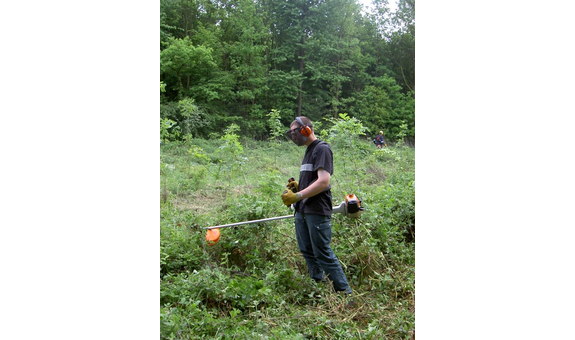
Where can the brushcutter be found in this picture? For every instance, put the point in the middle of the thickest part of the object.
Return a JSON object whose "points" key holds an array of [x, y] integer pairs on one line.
{"points": [[351, 207]]}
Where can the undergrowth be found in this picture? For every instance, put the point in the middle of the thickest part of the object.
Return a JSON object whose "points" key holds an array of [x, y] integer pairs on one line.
{"points": [[253, 283]]}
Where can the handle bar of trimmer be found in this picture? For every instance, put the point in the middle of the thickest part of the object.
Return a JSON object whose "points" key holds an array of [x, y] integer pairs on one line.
{"points": [[250, 222]]}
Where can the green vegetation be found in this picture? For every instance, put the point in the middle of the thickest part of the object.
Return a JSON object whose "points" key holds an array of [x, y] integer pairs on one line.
{"points": [[233, 75], [253, 283], [234, 61]]}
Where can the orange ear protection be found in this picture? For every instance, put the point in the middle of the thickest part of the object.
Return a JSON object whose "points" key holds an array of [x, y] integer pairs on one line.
{"points": [[305, 130]]}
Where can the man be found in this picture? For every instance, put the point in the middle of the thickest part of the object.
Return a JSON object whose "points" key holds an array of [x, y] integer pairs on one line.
{"points": [[312, 198], [379, 141]]}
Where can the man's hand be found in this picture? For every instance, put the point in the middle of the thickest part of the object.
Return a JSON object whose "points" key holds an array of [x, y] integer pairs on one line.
{"points": [[293, 186], [289, 197]]}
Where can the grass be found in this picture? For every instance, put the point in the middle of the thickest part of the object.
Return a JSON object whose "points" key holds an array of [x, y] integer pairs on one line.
{"points": [[253, 283]]}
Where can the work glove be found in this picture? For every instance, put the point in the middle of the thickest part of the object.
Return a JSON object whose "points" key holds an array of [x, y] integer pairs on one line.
{"points": [[293, 186], [289, 197]]}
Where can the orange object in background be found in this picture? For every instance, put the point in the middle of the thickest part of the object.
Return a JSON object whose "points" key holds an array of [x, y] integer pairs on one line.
{"points": [[212, 236]]}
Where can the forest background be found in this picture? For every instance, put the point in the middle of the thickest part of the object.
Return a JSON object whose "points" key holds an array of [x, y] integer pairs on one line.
{"points": [[234, 74], [224, 62]]}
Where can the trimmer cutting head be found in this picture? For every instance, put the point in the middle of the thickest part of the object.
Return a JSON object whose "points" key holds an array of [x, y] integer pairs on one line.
{"points": [[212, 236]]}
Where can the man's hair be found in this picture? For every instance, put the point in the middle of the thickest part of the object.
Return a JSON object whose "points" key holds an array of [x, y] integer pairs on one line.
{"points": [[305, 120]]}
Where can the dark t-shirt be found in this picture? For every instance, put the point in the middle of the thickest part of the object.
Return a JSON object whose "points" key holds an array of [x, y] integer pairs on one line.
{"points": [[317, 155]]}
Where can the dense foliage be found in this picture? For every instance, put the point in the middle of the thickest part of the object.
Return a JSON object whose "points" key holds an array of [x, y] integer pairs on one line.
{"points": [[234, 73], [253, 283], [234, 61]]}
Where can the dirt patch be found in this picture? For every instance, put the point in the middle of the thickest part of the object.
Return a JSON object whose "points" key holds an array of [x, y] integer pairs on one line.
{"points": [[201, 203]]}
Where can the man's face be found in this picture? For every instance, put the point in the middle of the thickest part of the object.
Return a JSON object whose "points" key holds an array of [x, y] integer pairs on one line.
{"points": [[295, 135]]}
